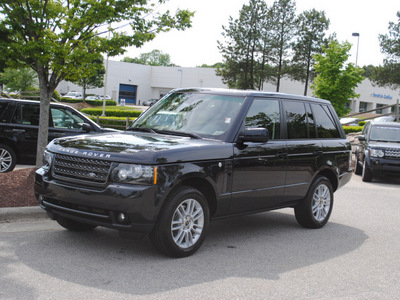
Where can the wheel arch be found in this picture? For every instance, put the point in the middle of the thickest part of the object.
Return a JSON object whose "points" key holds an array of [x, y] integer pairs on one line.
{"points": [[11, 144], [332, 177], [204, 186]]}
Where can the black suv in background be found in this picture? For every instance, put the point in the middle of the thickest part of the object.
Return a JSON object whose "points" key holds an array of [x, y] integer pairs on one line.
{"points": [[19, 124], [379, 150], [198, 155]]}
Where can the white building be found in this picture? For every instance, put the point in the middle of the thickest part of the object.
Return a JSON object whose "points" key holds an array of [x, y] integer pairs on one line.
{"points": [[136, 83]]}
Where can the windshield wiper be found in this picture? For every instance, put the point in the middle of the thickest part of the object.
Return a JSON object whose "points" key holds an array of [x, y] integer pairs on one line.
{"points": [[179, 133], [142, 129]]}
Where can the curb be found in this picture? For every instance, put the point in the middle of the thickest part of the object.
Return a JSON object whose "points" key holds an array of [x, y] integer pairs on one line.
{"points": [[12, 214]]}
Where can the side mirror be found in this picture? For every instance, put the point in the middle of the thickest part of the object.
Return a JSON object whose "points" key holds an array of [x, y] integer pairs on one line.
{"points": [[361, 138], [86, 127], [255, 135]]}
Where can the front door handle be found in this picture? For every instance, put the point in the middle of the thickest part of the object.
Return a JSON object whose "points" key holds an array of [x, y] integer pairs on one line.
{"points": [[281, 155], [318, 153]]}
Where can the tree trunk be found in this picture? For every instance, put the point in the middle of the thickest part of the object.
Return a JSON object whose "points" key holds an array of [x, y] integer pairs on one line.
{"points": [[45, 97]]}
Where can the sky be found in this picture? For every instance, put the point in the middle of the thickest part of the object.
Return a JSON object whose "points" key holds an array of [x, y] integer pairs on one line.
{"points": [[198, 45]]}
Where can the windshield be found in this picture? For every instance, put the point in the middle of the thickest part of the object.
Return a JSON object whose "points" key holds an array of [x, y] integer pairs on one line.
{"points": [[387, 134], [205, 115]]}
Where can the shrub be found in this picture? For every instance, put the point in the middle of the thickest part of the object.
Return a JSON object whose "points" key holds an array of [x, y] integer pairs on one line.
{"points": [[349, 129], [110, 112], [116, 122]]}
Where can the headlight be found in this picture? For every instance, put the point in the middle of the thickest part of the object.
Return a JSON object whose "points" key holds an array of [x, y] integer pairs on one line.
{"points": [[376, 153], [134, 174], [47, 160]]}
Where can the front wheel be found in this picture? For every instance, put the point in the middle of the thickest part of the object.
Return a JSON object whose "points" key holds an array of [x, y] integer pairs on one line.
{"points": [[358, 170], [366, 173], [182, 224], [315, 209]]}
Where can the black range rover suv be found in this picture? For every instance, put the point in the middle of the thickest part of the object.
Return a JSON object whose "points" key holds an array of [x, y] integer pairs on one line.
{"points": [[198, 155], [19, 124]]}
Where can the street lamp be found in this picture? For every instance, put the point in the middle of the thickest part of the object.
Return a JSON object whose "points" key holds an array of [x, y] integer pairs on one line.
{"points": [[180, 70], [358, 41]]}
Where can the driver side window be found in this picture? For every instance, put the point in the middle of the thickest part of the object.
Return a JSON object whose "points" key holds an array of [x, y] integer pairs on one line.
{"points": [[265, 113], [63, 118]]}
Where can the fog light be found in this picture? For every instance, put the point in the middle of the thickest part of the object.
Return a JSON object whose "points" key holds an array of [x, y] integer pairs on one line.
{"points": [[121, 218]]}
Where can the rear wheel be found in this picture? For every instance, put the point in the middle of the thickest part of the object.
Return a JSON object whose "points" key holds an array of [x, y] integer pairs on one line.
{"points": [[74, 225], [315, 209], [182, 224], [8, 159], [366, 173]]}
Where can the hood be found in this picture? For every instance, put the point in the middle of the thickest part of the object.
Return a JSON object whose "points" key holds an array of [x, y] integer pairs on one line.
{"points": [[144, 148], [384, 145]]}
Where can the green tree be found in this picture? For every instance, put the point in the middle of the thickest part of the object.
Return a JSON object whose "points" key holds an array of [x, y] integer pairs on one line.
{"points": [[153, 58], [241, 47], [389, 73], [336, 81], [91, 75], [51, 37], [282, 17], [310, 37], [23, 79]]}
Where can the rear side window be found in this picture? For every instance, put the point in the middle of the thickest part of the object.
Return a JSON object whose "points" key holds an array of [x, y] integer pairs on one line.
{"points": [[3, 106], [296, 119], [326, 127], [27, 114], [264, 113]]}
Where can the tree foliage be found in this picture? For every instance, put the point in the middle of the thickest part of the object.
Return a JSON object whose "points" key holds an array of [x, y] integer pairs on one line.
{"points": [[310, 37], [336, 81], [55, 37], [23, 79], [267, 43], [153, 58], [241, 49], [389, 73]]}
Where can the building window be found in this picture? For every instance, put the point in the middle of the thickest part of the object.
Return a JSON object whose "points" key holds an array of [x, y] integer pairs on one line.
{"points": [[348, 105], [363, 106], [379, 111]]}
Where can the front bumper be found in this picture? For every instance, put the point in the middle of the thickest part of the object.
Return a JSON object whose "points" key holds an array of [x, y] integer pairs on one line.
{"points": [[101, 207], [384, 166]]}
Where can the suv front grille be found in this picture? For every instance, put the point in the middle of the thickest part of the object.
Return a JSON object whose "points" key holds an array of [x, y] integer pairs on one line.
{"points": [[77, 168], [392, 153]]}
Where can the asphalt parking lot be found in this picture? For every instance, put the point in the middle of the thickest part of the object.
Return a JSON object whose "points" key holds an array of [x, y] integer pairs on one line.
{"points": [[261, 256]]}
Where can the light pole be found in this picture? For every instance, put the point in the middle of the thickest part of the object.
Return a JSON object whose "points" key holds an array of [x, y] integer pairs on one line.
{"points": [[358, 41], [180, 70]]}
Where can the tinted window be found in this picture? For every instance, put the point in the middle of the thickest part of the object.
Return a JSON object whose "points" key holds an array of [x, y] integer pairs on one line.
{"points": [[312, 133], [325, 125], [3, 106], [265, 113], [27, 114], [64, 118], [296, 119]]}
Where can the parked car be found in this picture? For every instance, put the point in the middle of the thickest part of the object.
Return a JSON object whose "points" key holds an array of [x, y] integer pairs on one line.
{"points": [[384, 119], [93, 97], [102, 97], [149, 102], [379, 150], [199, 154], [349, 121], [19, 123], [73, 95]]}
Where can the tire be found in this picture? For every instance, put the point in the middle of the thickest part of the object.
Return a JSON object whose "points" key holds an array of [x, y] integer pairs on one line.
{"points": [[315, 209], [74, 225], [182, 223], [358, 170], [366, 173], [8, 159]]}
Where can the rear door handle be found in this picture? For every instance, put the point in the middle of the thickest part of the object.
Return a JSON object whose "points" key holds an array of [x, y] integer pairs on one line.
{"points": [[15, 130], [318, 152]]}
